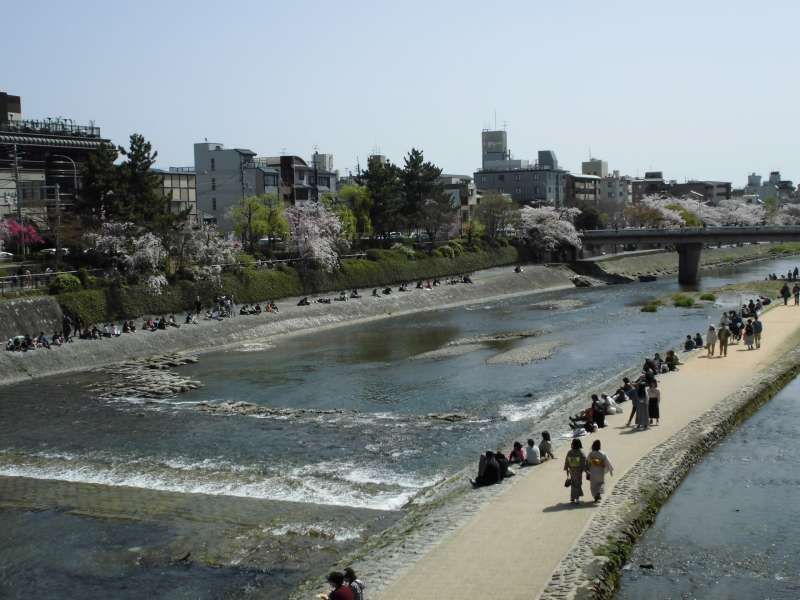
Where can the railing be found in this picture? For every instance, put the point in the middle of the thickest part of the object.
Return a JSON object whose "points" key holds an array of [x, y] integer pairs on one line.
{"points": [[15, 285], [51, 127]]}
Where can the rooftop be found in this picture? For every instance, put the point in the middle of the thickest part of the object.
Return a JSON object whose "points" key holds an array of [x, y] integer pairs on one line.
{"points": [[55, 127]]}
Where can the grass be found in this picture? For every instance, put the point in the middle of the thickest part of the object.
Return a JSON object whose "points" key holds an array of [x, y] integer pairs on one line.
{"points": [[710, 297], [650, 308], [683, 300]]}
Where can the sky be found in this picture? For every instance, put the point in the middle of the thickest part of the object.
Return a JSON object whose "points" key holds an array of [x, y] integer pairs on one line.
{"points": [[699, 90]]}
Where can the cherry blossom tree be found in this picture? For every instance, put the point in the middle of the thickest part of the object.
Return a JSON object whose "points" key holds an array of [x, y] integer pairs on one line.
{"points": [[316, 231], [546, 230], [19, 234]]}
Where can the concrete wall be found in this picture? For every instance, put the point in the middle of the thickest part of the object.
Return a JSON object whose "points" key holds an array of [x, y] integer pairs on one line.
{"points": [[29, 315]]}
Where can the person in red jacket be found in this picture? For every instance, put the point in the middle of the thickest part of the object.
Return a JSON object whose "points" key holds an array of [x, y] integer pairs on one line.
{"points": [[340, 590]]}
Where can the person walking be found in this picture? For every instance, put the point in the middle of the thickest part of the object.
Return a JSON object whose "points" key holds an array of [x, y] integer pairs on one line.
{"points": [[711, 340], [642, 407], [599, 465], [758, 328], [749, 335], [796, 294], [785, 293], [653, 402], [723, 335], [575, 466]]}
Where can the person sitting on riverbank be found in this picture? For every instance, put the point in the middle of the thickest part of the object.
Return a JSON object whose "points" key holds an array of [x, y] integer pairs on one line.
{"points": [[488, 471], [387, 291], [304, 302], [354, 294], [661, 366], [503, 462], [375, 293], [698, 341], [672, 361], [339, 591], [517, 455], [466, 279], [546, 446], [42, 341], [598, 412], [518, 269], [688, 345], [272, 307], [342, 297], [532, 454]]}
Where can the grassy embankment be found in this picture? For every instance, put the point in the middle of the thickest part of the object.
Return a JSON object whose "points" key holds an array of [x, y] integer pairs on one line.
{"points": [[101, 301]]}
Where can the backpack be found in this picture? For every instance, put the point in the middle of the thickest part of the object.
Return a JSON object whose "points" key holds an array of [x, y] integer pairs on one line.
{"points": [[357, 587]]}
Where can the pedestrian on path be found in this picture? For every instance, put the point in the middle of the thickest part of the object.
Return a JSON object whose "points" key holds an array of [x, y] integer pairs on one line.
{"points": [[642, 407], [599, 465], [749, 334], [758, 327], [653, 402], [711, 340], [796, 294], [575, 466], [785, 293], [723, 335]]}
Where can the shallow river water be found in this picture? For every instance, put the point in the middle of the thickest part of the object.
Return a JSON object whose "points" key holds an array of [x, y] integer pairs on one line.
{"points": [[315, 483]]}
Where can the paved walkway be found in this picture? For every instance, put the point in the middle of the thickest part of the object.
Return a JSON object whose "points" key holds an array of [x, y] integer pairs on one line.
{"points": [[510, 548]]}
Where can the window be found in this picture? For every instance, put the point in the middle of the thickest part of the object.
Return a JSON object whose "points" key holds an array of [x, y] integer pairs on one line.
{"points": [[519, 190], [213, 163], [483, 178], [213, 204], [213, 184], [501, 177], [516, 177]]}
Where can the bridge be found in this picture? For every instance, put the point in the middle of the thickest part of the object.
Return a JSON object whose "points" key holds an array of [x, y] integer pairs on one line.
{"points": [[689, 241]]}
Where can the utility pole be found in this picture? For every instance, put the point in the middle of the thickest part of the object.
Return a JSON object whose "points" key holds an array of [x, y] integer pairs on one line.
{"points": [[58, 227], [19, 200]]}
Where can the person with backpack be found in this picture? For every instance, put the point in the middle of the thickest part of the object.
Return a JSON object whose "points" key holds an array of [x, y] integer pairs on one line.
{"points": [[356, 585], [758, 327], [339, 590]]}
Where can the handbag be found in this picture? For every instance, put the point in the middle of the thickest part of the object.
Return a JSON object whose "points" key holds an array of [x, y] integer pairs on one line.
{"points": [[568, 482], [588, 476]]}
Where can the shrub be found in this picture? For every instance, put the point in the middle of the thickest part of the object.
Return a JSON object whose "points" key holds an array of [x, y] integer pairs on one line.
{"points": [[64, 282], [445, 252], [708, 296], [683, 300], [90, 306], [650, 308]]}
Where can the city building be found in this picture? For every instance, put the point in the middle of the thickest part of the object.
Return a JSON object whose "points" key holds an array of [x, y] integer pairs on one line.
{"points": [[180, 185], [463, 194], [595, 166], [301, 182], [583, 190], [224, 176], [712, 191], [542, 183], [616, 192], [653, 184], [37, 155]]}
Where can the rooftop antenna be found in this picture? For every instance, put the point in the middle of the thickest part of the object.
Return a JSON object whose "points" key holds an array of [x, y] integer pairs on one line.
{"points": [[505, 125], [495, 119]]}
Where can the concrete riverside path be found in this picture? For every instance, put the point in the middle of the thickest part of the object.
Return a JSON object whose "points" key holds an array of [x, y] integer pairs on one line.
{"points": [[511, 546]]}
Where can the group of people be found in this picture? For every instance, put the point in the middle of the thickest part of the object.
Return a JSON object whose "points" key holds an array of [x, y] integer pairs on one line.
{"points": [[428, 284], [734, 326], [493, 467], [344, 586], [791, 275]]}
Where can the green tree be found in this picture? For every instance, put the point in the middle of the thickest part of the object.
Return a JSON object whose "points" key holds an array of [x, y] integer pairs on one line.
{"points": [[419, 180], [357, 198], [689, 217], [277, 225], [344, 213], [589, 218], [771, 206], [139, 197], [250, 220], [100, 178], [382, 180], [436, 215], [497, 212]]}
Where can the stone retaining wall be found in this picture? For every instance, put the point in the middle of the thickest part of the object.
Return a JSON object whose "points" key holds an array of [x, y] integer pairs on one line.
{"points": [[29, 315], [592, 569]]}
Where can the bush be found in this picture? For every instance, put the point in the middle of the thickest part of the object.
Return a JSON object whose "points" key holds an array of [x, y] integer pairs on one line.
{"points": [[445, 252], [708, 296], [683, 300], [64, 282], [650, 308], [90, 306]]}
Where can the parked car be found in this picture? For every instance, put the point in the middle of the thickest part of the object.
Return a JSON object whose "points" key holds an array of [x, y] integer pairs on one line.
{"points": [[52, 252], [6, 256]]}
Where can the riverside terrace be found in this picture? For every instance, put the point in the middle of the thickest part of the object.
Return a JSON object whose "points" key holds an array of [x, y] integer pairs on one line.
{"points": [[689, 241]]}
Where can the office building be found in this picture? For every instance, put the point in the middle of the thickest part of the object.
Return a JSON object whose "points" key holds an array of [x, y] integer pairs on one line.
{"points": [[712, 191], [595, 166], [224, 176], [463, 194], [179, 184], [301, 182]]}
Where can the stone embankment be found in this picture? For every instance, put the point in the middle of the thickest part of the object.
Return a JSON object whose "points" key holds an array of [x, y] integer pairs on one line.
{"points": [[150, 378], [622, 267], [489, 285]]}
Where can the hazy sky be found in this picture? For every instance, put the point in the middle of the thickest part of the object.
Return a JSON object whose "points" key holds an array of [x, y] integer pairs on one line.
{"points": [[701, 89]]}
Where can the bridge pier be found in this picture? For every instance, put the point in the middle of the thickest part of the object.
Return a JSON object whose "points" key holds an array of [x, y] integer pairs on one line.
{"points": [[688, 262]]}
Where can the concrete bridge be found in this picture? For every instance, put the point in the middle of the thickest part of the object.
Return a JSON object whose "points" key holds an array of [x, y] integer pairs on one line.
{"points": [[689, 241]]}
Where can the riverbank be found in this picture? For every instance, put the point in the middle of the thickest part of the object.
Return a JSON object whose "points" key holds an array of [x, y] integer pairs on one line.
{"points": [[529, 516], [665, 264], [500, 282]]}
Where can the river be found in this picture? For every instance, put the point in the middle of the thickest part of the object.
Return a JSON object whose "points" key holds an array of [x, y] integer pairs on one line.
{"points": [[122, 489]]}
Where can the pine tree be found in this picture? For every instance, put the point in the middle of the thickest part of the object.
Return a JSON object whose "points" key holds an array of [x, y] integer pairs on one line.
{"points": [[100, 177]]}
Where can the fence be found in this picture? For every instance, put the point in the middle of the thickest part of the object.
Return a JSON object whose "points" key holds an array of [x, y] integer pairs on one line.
{"points": [[27, 281]]}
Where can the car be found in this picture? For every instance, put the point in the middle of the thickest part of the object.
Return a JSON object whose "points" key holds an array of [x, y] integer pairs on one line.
{"points": [[52, 252], [6, 255]]}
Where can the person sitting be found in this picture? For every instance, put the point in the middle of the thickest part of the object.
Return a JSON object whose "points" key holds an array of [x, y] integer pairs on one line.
{"points": [[355, 294], [488, 471], [764, 300], [598, 412], [342, 297], [546, 446], [387, 291], [609, 407], [758, 306], [419, 284], [403, 287], [672, 360], [518, 269], [428, 285], [272, 306], [688, 345], [466, 279], [125, 327], [532, 455], [582, 420], [115, 330], [698, 340], [245, 310], [95, 333], [503, 462], [161, 323], [517, 455], [375, 293], [43, 341], [107, 330], [257, 309], [172, 322], [131, 326], [437, 282], [304, 302]]}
